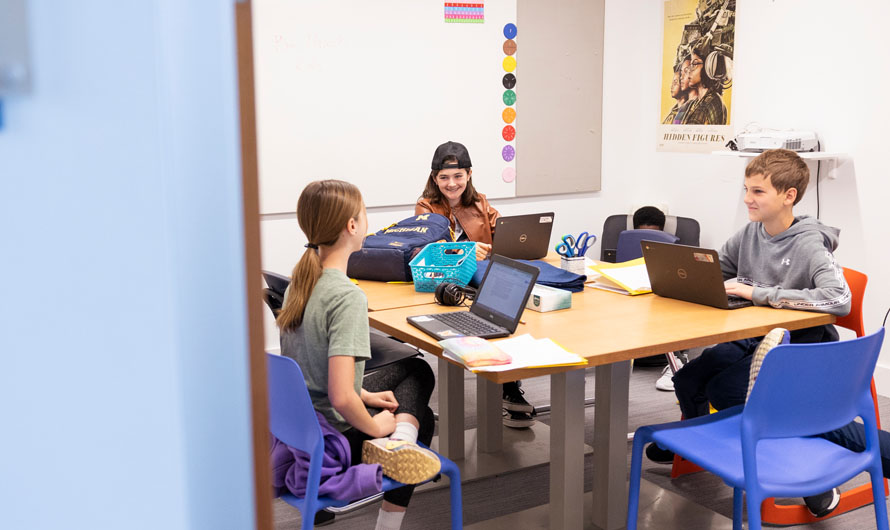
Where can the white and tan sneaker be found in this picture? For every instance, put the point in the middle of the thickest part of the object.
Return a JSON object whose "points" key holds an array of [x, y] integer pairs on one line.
{"points": [[402, 461]]}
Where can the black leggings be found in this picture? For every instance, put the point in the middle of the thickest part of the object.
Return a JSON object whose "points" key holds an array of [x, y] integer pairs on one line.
{"points": [[412, 382]]}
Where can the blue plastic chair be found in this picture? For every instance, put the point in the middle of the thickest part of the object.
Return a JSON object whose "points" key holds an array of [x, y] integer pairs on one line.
{"points": [[292, 420], [629, 242], [766, 448]]}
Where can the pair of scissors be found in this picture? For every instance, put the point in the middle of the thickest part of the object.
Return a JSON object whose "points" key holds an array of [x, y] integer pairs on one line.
{"points": [[567, 247], [583, 243]]}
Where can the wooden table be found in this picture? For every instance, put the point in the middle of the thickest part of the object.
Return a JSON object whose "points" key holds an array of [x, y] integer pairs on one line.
{"points": [[385, 295], [608, 329]]}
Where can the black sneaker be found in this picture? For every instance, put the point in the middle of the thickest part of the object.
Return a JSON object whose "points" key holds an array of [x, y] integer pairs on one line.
{"points": [[513, 400], [323, 518], [518, 420], [659, 455], [824, 503]]}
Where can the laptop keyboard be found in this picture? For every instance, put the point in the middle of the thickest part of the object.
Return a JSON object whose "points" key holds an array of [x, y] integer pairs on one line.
{"points": [[468, 323], [736, 302]]}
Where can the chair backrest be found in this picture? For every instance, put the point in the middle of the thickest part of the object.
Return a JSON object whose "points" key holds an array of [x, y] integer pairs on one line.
{"points": [[807, 389], [687, 229], [629, 242], [276, 282], [291, 414], [856, 281]]}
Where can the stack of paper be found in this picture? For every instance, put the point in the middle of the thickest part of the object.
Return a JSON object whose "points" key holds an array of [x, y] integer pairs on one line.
{"points": [[475, 352], [630, 277], [525, 351]]}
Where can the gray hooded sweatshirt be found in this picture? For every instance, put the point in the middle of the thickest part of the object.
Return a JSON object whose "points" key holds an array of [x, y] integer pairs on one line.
{"points": [[794, 269]]}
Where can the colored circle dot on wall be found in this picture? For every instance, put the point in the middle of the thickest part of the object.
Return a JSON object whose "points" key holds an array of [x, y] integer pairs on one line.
{"points": [[509, 47], [508, 133], [509, 115], [509, 80], [509, 97], [510, 31], [509, 174], [509, 64], [508, 153]]}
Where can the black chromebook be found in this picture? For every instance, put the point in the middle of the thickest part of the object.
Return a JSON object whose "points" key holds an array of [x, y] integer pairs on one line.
{"points": [[523, 236], [496, 309], [687, 273]]}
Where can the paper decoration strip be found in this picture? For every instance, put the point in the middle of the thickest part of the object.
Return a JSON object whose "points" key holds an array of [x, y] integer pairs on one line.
{"points": [[464, 13]]}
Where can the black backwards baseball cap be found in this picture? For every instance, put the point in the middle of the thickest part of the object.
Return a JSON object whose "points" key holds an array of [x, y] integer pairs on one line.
{"points": [[449, 149]]}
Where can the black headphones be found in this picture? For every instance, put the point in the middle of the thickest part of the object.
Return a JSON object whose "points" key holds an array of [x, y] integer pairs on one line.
{"points": [[453, 294]]}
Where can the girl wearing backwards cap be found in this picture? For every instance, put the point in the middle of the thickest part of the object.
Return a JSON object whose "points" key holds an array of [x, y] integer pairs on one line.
{"points": [[449, 191]]}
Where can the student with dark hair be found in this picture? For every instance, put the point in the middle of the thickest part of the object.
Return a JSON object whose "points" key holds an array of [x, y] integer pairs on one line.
{"points": [[450, 192], [648, 217]]}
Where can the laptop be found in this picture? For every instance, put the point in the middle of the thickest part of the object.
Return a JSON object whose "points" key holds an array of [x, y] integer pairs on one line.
{"points": [[523, 236], [496, 309], [687, 273]]}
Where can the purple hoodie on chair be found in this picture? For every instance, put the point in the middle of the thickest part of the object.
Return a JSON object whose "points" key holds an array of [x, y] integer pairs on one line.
{"points": [[339, 480]]}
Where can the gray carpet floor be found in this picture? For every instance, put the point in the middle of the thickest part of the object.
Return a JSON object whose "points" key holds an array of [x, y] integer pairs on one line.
{"points": [[515, 491]]}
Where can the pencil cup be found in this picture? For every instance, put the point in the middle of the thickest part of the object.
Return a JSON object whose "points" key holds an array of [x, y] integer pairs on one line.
{"points": [[575, 264]]}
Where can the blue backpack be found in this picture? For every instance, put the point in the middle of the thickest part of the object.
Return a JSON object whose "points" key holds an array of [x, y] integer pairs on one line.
{"points": [[385, 255]]}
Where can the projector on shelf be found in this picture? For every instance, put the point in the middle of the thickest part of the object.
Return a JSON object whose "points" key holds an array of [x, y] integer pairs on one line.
{"points": [[763, 140]]}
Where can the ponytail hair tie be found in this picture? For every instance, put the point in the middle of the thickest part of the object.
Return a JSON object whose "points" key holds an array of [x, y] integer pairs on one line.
{"points": [[311, 245]]}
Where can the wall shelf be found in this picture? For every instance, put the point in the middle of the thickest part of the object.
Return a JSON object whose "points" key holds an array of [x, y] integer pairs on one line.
{"points": [[815, 155], [834, 159]]}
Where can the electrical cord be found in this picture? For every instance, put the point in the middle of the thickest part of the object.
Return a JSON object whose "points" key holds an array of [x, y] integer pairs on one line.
{"points": [[884, 323], [818, 175]]}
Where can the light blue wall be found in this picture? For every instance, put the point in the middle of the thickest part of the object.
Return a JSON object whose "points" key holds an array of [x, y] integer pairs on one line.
{"points": [[124, 396]]}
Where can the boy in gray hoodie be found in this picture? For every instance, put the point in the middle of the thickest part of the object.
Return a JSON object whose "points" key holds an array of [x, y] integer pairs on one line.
{"points": [[777, 260], [780, 260]]}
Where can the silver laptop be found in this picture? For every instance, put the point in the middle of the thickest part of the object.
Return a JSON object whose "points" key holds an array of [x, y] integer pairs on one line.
{"points": [[523, 236], [687, 273], [496, 309]]}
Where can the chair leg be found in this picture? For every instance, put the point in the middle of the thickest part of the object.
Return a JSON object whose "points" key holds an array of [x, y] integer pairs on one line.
{"points": [[877, 483], [738, 508], [636, 470], [450, 470], [308, 516], [753, 504], [673, 362]]}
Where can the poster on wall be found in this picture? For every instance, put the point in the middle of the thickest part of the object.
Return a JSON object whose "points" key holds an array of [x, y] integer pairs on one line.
{"points": [[696, 86]]}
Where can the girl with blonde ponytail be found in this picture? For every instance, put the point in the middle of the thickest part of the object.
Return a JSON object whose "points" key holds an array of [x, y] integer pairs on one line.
{"points": [[324, 327]]}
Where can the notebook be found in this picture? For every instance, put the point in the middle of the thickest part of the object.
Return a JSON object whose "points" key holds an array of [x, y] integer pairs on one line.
{"points": [[629, 277], [496, 309], [523, 236], [687, 273]]}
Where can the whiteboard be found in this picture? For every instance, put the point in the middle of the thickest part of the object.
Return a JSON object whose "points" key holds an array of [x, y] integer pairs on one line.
{"points": [[364, 91]]}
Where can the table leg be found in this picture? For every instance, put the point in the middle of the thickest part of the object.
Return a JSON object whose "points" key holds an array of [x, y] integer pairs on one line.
{"points": [[451, 410], [567, 449], [610, 446], [489, 407]]}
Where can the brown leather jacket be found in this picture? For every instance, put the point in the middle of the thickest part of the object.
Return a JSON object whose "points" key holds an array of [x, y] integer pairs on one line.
{"points": [[478, 221]]}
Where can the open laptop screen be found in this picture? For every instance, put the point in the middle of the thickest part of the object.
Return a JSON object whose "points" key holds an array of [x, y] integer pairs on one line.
{"points": [[504, 291]]}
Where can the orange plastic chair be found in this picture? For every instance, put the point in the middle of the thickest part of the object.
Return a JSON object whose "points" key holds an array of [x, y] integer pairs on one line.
{"points": [[781, 514]]}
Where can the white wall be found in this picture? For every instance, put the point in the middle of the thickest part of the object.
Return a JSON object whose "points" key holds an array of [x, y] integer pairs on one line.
{"points": [[124, 387], [811, 64]]}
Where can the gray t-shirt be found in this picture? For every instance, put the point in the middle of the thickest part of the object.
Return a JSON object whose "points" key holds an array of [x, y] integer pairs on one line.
{"points": [[335, 323]]}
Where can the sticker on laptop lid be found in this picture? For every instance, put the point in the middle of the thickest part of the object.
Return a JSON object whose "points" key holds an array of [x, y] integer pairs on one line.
{"points": [[450, 333], [701, 256], [545, 219], [422, 318]]}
